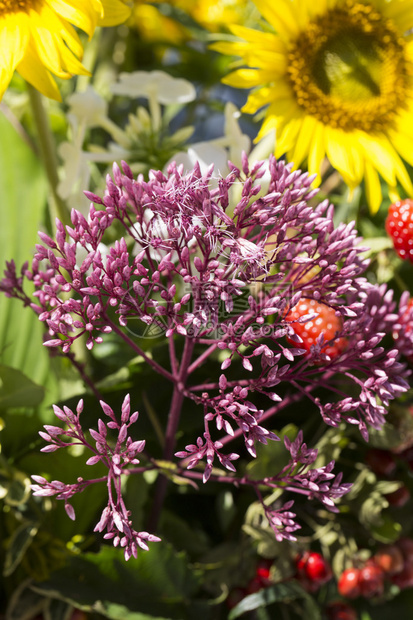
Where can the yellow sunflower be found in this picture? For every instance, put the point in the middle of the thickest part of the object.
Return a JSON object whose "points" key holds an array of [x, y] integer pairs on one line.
{"points": [[37, 38], [337, 76], [153, 26], [214, 15]]}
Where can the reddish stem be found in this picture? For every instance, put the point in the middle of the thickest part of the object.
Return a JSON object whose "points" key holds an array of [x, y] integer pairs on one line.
{"points": [[174, 415]]}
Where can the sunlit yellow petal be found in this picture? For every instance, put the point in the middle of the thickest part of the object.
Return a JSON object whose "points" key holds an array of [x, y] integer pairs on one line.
{"points": [[254, 56], [247, 77], [70, 38], [114, 13], [305, 140], [14, 36], [259, 38], [43, 37], [394, 195], [55, 50], [263, 96], [32, 70], [317, 152], [383, 157], [373, 188], [403, 144], [77, 12], [340, 153], [286, 137], [280, 15], [268, 126]]}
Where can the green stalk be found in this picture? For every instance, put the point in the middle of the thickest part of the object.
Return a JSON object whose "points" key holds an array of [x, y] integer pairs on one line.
{"points": [[48, 155]]}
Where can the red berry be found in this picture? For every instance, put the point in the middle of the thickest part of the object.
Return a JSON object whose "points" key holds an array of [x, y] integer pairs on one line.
{"points": [[349, 583], [381, 462], [371, 580], [389, 559], [263, 571], [340, 611], [399, 226], [404, 579], [398, 498], [300, 563], [326, 323], [312, 570], [317, 568]]}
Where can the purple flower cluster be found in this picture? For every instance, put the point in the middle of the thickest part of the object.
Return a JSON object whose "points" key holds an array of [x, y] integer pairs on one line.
{"points": [[403, 328], [117, 456], [297, 477], [220, 264]]}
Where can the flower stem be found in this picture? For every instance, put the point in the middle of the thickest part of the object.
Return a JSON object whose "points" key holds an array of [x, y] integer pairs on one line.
{"points": [[156, 367], [48, 154], [174, 415]]}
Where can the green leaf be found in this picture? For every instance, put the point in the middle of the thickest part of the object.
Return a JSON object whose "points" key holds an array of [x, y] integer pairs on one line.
{"points": [[183, 535], [273, 456], [25, 604], [20, 541], [17, 390], [388, 531], [281, 592], [23, 194], [159, 583]]}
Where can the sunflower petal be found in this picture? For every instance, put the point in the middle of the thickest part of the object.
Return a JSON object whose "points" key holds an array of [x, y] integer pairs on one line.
{"points": [[77, 12], [33, 71], [286, 137], [343, 155], [248, 78], [281, 15], [14, 35], [317, 152], [373, 188], [265, 95], [305, 140], [262, 39], [114, 12]]}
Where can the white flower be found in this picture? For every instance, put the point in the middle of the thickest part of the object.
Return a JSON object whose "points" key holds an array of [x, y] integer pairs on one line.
{"points": [[236, 140], [88, 108], [219, 150], [73, 165], [157, 84], [205, 154]]}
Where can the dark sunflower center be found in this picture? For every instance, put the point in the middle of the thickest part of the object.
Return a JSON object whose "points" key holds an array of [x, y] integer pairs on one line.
{"points": [[13, 6], [349, 68]]}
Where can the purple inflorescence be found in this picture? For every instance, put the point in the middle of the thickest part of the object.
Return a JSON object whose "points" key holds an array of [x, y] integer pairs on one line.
{"points": [[220, 264], [116, 455]]}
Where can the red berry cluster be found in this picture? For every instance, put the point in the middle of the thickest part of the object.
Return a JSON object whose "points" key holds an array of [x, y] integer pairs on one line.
{"points": [[399, 226], [312, 570], [392, 563], [260, 580]]}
